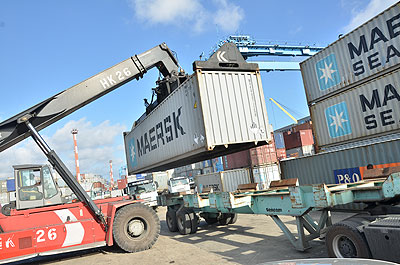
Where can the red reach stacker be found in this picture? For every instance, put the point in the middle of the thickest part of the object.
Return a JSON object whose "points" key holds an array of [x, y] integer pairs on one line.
{"points": [[42, 221]]}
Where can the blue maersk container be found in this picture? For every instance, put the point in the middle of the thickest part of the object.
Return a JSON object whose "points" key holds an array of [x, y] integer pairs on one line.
{"points": [[10, 185], [279, 142]]}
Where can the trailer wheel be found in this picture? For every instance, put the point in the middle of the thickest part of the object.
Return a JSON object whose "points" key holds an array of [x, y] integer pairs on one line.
{"points": [[234, 217], [225, 219], [187, 221], [171, 220], [136, 227], [343, 240]]}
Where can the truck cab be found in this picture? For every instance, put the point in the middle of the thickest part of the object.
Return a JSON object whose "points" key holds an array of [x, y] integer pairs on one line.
{"points": [[178, 184], [144, 190], [35, 187]]}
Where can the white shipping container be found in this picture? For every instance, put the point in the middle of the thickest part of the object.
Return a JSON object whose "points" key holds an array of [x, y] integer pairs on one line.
{"points": [[366, 52], [223, 181], [263, 175], [161, 180], [212, 113], [369, 110]]}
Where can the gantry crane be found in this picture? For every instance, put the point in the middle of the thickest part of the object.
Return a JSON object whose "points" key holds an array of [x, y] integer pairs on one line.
{"points": [[248, 47]]}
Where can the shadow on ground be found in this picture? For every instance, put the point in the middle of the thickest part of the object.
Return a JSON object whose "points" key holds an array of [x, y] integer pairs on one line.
{"points": [[241, 244]]}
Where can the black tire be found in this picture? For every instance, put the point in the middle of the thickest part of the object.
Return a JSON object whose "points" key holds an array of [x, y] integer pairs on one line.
{"points": [[136, 227], [6, 209], [225, 218], [343, 240], [171, 221], [234, 217], [187, 221], [211, 220]]}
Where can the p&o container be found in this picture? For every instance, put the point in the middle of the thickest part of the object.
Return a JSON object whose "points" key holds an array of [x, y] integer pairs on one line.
{"points": [[343, 166]]}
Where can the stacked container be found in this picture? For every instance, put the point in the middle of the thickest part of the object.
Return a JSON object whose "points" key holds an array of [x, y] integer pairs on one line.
{"points": [[353, 87]]}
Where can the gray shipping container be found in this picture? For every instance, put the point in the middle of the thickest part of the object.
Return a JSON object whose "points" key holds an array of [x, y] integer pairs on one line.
{"points": [[223, 181], [211, 114], [344, 166], [368, 110], [161, 178], [366, 52]]}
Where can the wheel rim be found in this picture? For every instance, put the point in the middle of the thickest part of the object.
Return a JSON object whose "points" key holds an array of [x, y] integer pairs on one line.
{"points": [[343, 247], [180, 222], [169, 221], [136, 227]]}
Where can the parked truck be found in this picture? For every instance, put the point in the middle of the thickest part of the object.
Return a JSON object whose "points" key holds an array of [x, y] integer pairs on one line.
{"points": [[145, 190], [179, 185]]}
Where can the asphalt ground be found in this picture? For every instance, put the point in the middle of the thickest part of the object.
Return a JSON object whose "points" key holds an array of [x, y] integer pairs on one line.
{"points": [[253, 239]]}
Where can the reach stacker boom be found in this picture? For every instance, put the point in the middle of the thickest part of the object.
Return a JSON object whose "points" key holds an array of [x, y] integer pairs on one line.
{"points": [[41, 222]]}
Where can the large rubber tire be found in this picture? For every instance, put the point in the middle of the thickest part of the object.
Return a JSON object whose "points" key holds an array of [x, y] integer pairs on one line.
{"points": [[136, 227], [344, 240], [234, 217], [225, 218], [187, 221], [171, 221], [6, 209]]}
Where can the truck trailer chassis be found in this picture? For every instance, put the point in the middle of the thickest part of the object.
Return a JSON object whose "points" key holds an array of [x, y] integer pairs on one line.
{"points": [[373, 233]]}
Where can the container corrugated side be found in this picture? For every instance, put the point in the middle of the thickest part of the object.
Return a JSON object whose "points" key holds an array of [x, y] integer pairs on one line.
{"points": [[237, 160], [211, 114], [363, 53], [223, 181], [232, 178], [279, 142], [365, 111], [341, 166], [233, 106], [263, 175]]}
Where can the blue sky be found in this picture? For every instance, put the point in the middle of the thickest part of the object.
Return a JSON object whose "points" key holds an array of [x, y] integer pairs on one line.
{"points": [[49, 46]]}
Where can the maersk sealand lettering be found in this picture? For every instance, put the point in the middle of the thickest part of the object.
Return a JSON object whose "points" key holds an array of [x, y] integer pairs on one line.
{"points": [[161, 134], [385, 116], [376, 36]]}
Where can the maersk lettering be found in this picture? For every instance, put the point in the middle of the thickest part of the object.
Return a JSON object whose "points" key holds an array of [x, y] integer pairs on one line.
{"points": [[385, 116], [376, 36], [161, 133]]}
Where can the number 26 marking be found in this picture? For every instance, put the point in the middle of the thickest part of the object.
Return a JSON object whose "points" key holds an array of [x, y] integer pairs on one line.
{"points": [[51, 235]]}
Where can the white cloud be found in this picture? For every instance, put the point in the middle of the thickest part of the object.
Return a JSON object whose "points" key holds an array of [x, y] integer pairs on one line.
{"points": [[189, 14], [228, 16], [373, 8], [97, 144]]}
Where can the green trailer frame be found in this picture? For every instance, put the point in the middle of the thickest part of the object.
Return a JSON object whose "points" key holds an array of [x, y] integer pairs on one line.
{"points": [[296, 201]]}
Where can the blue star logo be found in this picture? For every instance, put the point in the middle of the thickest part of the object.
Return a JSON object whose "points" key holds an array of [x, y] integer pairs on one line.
{"points": [[132, 153], [327, 72], [337, 119]]}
